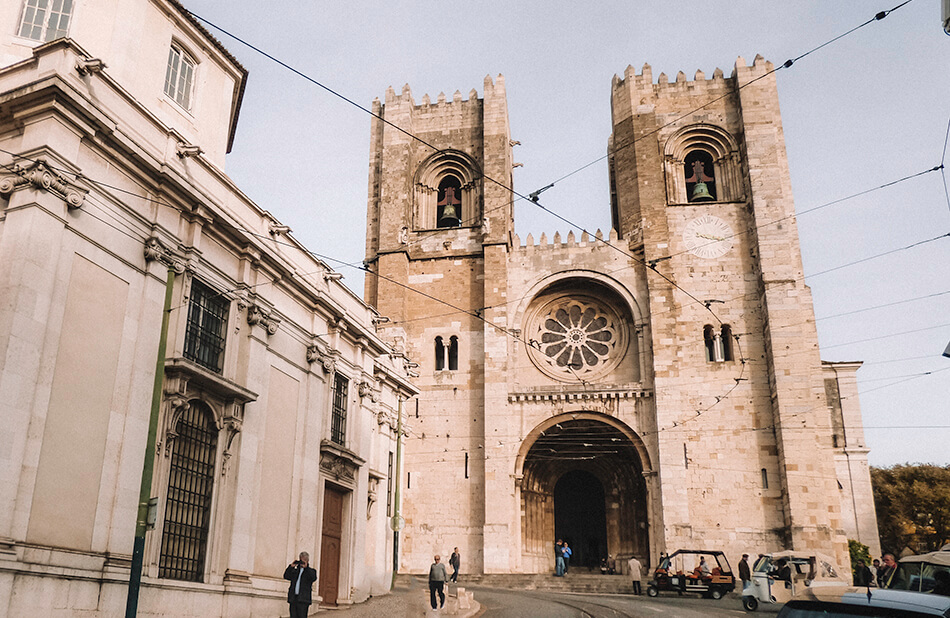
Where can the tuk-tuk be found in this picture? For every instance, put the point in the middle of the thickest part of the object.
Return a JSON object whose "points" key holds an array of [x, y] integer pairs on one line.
{"points": [[777, 577], [686, 570], [920, 572]]}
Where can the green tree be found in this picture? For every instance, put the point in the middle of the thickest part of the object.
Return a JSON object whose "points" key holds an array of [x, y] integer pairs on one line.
{"points": [[858, 551], [913, 507]]}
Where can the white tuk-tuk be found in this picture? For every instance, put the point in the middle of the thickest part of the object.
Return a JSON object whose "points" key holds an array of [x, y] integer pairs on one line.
{"points": [[776, 577]]}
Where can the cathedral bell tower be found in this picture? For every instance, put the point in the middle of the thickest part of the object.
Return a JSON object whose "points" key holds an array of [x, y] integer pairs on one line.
{"points": [[439, 226], [700, 188]]}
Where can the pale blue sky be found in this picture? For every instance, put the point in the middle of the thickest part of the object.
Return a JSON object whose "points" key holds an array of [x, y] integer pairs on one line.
{"points": [[868, 109]]}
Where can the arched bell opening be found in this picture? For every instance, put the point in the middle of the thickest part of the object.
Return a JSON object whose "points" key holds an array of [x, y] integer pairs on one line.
{"points": [[582, 481]]}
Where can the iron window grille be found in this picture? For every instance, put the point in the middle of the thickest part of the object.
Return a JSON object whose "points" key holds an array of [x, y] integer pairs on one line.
{"points": [[188, 504], [338, 420], [207, 319], [45, 20]]}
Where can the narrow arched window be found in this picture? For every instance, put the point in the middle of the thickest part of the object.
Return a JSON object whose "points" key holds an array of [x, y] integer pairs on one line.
{"points": [[765, 478], [709, 341], [439, 354], [726, 342], [700, 177], [453, 353], [449, 206], [188, 502]]}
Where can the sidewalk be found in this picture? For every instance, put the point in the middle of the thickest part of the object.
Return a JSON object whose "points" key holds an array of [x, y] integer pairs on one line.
{"points": [[404, 600]]}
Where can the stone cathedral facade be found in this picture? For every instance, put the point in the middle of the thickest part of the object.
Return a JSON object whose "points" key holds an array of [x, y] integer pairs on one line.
{"points": [[633, 392]]}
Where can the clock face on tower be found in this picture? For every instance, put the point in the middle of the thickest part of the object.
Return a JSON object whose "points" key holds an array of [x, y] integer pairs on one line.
{"points": [[708, 237]]}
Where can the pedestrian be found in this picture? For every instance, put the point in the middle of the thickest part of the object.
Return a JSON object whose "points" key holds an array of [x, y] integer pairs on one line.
{"points": [[886, 573], [745, 573], [862, 574], [455, 562], [559, 558], [437, 578], [636, 573], [875, 569], [567, 553], [301, 577]]}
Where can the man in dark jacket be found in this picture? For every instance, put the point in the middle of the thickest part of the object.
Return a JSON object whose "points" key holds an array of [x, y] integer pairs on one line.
{"points": [[300, 594], [862, 574], [745, 573]]}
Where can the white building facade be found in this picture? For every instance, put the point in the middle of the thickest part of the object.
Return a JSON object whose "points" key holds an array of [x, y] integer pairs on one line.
{"points": [[276, 430]]}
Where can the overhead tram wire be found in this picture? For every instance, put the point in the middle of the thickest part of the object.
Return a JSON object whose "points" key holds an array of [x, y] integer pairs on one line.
{"points": [[788, 63], [535, 201]]}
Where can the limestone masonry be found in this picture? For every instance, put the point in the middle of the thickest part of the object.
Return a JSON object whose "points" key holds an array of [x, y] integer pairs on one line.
{"points": [[633, 392]]}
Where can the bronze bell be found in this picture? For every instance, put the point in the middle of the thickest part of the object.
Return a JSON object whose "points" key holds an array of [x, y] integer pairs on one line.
{"points": [[701, 193], [449, 216]]}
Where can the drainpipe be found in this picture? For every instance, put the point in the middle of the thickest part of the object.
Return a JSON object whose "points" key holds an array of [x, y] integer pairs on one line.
{"points": [[142, 519], [397, 522]]}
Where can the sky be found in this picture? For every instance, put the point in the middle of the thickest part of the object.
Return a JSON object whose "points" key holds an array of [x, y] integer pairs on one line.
{"points": [[866, 110]]}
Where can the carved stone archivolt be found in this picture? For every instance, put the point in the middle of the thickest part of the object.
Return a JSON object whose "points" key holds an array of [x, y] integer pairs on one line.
{"points": [[256, 314], [40, 175]]}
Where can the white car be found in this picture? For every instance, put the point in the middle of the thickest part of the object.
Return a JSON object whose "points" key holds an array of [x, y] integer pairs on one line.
{"points": [[837, 602]]}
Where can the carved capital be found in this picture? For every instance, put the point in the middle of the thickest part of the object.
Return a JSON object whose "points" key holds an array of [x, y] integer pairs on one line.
{"points": [[155, 250], [39, 175], [257, 314]]}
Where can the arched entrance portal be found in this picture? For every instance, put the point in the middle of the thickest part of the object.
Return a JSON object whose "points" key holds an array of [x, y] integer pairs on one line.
{"points": [[583, 481]]}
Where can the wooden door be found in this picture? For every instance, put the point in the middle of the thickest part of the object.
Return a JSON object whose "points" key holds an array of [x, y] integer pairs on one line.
{"points": [[330, 544]]}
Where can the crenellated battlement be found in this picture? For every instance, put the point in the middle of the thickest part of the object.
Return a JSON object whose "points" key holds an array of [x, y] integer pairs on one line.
{"points": [[643, 83], [570, 241], [491, 88]]}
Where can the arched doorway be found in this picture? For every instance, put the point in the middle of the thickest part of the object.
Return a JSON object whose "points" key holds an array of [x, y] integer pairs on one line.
{"points": [[582, 480], [580, 517]]}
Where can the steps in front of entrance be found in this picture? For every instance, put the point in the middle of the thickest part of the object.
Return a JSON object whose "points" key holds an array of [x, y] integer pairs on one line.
{"points": [[593, 583]]}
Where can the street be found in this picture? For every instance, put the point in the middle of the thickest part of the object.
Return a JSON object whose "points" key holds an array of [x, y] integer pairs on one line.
{"points": [[517, 604]]}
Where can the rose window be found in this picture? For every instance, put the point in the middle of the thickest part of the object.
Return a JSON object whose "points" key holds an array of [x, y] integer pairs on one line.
{"points": [[574, 337]]}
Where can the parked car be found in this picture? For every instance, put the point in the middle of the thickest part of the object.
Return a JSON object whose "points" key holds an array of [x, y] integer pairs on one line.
{"points": [[838, 602], [676, 573], [805, 569], [920, 572]]}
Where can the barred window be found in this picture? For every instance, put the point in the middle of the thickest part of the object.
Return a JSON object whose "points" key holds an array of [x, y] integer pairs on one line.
{"points": [[207, 319], [179, 76], [45, 20], [338, 422], [188, 504]]}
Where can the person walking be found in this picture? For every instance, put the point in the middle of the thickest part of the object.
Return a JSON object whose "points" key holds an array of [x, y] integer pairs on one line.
{"points": [[636, 573], [437, 578], [567, 553], [745, 573], [455, 562], [301, 577], [559, 558]]}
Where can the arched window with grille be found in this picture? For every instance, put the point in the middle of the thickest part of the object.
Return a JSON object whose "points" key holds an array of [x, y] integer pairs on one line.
{"points": [[188, 501]]}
